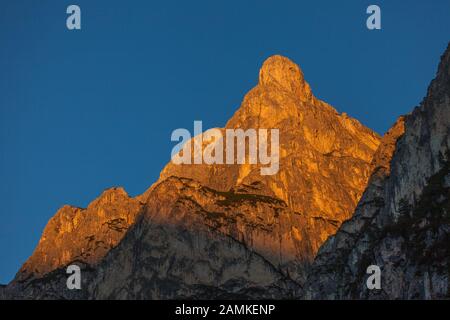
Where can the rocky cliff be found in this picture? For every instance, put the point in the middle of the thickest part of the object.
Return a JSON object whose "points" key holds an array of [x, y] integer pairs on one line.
{"points": [[324, 158], [226, 231], [209, 231], [402, 222], [75, 235], [85, 235]]}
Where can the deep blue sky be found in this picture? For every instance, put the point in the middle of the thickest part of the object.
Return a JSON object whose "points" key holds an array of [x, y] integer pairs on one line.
{"points": [[81, 111]]}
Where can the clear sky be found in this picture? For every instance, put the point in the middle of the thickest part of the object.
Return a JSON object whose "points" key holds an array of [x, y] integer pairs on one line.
{"points": [[81, 111]]}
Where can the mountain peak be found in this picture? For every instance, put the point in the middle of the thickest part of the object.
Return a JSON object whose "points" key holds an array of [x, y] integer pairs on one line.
{"points": [[282, 72], [324, 161], [440, 86]]}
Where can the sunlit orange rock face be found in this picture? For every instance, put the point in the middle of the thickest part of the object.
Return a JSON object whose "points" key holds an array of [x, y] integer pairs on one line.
{"points": [[324, 158], [83, 235], [324, 155], [225, 227]]}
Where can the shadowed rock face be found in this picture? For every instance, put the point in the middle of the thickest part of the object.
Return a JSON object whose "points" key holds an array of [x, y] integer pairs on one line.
{"points": [[402, 222], [324, 165], [193, 236], [226, 231], [195, 242]]}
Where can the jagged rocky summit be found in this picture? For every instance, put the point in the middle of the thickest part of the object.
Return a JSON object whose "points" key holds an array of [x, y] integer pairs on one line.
{"points": [[226, 231], [219, 230]]}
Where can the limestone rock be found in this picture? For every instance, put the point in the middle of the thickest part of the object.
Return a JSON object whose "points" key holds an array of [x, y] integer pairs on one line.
{"points": [[324, 156], [402, 222], [82, 235], [225, 231]]}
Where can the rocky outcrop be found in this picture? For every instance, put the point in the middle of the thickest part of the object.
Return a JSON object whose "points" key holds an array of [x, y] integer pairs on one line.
{"points": [[75, 236], [219, 230], [402, 222], [195, 242], [82, 235], [226, 231], [324, 160], [203, 222]]}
